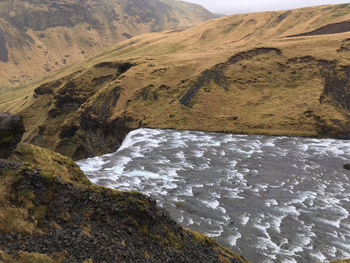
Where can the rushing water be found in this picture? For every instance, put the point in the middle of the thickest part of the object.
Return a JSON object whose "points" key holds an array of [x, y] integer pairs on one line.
{"points": [[272, 199]]}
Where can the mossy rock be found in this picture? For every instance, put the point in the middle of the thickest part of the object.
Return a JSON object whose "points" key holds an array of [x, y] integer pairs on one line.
{"points": [[50, 163]]}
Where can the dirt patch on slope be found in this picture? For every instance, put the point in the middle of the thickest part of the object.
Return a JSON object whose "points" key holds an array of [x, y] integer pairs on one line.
{"points": [[217, 75], [335, 28], [3, 48]]}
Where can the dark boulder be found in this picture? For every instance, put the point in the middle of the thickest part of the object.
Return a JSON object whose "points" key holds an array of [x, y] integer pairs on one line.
{"points": [[11, 132], [347, 166]]}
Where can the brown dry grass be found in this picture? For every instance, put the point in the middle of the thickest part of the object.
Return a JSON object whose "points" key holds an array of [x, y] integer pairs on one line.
{"points": [[266, 94], [32, 257], [56, 47], [12, 219], [51, 163], [15, 217], [225, 254]]}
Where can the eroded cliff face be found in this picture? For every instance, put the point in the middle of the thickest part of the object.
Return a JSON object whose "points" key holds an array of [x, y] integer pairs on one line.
{"points": [[89, 113], [77, 112], [3, 48]]}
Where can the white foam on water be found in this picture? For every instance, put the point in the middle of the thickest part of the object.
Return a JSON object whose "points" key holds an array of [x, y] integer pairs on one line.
{"points": [[267, 247], [319, 256], [233, 193], [187, 191], [169, 185], [211, 203], [245, 218], [198, 153], [92, 164], [303, 147], [142, 174], [289, 210], [181, 219], [180, 155], [233, 239], [276, 222], [331, 251], [284, 189], [345, 246], [278, 186], [289, 260], [269, 143], [222, 210], [271, 202], [216, 233]]}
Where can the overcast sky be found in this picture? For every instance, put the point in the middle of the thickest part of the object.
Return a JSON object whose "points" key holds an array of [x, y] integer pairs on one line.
{"points": [[245, 6]]}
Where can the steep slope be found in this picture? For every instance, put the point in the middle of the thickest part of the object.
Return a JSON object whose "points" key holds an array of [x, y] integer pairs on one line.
{"points": [[37, 37], [50, 212], [239, 74]]}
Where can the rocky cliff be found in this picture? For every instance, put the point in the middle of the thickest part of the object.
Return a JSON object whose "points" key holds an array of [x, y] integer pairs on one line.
{"points": [[50, 212], [37, 37]]}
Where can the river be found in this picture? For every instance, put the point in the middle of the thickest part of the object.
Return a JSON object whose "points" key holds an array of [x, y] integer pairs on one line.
{"points": [[271, 199]]}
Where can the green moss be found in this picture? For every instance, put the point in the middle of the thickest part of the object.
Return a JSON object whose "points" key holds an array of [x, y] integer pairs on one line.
{"points": [[14, 219], [200, 238], [144, 229], [18, 178], [25, 198], [26, 167], [47, 176], [172, 239], [6, 172], [40, 213], [49, 164], [141, 205]]}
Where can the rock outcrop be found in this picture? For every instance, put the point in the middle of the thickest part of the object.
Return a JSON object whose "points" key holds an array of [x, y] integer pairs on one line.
{"points": [[49, 211], [11, 132]]}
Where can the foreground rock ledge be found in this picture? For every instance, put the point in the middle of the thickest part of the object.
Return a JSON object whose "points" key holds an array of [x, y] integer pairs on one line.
{"points": [[50, 212]]}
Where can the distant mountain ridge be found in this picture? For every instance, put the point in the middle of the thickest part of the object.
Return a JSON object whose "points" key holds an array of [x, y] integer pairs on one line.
{"points": [[39, 36]]}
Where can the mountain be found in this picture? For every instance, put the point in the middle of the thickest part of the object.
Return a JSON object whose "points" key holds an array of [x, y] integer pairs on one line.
{"points": [[40, 36], [276, 73], [50, 212]]}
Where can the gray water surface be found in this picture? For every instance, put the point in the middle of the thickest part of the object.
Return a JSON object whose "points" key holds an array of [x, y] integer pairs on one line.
{"points": [[271, 199]]}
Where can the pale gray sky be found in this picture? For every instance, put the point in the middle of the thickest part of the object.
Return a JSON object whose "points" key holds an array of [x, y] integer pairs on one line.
{"points": [[246, 6]]}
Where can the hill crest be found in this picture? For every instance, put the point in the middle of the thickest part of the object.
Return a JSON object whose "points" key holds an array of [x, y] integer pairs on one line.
{"points": [[37, 37]]}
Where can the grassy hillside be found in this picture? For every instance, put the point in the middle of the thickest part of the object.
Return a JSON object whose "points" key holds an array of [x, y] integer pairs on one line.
{"points": [[38, 37], [280, 73]]}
